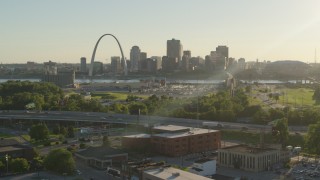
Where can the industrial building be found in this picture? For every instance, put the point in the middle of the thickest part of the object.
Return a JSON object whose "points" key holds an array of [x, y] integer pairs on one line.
{"points": [[173, 140], [251, 158]]}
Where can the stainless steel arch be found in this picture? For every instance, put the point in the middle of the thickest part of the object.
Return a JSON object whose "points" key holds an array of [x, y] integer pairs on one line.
{"points": [[94, 54]]}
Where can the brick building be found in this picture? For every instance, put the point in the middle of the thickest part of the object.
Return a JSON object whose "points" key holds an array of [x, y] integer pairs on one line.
{"points": [[176, 140]]}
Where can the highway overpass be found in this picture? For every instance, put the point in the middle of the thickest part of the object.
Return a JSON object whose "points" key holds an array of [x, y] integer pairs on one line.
{"points": [[143, 120]]}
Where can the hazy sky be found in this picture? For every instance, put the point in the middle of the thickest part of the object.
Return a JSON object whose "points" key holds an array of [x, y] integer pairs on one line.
{"points": [[65, 30]]}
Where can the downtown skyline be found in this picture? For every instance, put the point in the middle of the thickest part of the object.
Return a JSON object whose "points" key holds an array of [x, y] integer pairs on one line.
{"points": [[65, 31]]}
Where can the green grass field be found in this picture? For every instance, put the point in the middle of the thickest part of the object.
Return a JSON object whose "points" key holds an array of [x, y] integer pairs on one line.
{"points": [[117, 96], [297, 97]]}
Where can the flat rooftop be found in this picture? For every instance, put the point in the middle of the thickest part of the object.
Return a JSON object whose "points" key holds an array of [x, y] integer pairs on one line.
{"points": [[247, 149], [171, 128], [102, 153], [192, 131], [174, 174], [138, 136]]}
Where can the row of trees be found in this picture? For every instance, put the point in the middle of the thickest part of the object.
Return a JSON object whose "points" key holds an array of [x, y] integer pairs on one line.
{"points": [[58, 160], [17, 165], [219, 107], [18, 94], [22, 95], [153, 105], [295, 116], [40, 132]]}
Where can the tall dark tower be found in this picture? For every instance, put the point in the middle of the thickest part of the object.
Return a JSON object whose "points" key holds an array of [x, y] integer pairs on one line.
{"points": [[174, 49], [83, 64]]}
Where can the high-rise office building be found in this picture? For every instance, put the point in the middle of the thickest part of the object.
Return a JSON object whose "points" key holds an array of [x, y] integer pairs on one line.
{"points": [[115, 65], [169, 64], [223, 50], [135, 58], [158, 61], [186, 60], [242, 63], [143, 55], [83, 64], [143, 61], [187, 53], [174, 50]]}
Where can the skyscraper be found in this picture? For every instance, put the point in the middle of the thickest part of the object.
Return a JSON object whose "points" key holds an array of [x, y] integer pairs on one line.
{"points": [[115, 64], [223, 50], [135, 58], [174, 49], [143, 61], [158, 60], [83, 64], [186, 60]]}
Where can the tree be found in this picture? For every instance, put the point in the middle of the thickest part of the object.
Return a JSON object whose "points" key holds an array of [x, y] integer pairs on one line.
{"points": [[276, 97], [248, 89], [2, 166], [131, 98], [56, 129], [135, 107], [17, 94], [261, 117], [312, 138], [60, 161], [63, 130], [281, 131], [70, 132], [37, 163], [39, 132], [316, 95], [119, 108], [19, 165], [275, 113], [226, 115], [106, 141]]}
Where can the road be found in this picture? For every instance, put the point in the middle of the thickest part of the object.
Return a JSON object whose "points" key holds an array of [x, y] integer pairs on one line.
{"points": [[143, 120]]}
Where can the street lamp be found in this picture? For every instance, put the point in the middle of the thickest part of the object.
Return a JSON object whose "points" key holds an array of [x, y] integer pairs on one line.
{"points": [[7, 160], [64, 176]]}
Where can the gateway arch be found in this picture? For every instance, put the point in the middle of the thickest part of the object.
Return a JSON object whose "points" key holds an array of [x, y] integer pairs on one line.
{"points": [[94, 54]]}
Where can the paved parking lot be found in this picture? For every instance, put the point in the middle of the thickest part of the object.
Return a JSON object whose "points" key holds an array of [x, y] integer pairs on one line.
{"points": [[305, 169]]}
